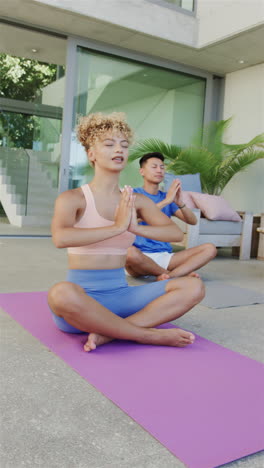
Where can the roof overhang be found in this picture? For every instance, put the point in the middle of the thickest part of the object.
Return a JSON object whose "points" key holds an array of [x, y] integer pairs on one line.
{"points": [[230, 54]]}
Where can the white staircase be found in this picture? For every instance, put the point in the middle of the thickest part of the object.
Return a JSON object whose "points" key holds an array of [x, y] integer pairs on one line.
{"points": [[28, 195]]}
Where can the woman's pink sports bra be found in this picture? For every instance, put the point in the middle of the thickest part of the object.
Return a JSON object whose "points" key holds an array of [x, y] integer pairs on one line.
{"points": [[116, 245]]}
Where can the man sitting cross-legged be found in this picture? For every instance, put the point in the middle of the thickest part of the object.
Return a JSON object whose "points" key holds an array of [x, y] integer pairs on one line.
{"points": [[149, 257]]}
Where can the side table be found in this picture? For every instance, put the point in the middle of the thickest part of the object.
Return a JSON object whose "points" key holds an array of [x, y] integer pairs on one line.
{"points": [[254, 239], [260, 229]]}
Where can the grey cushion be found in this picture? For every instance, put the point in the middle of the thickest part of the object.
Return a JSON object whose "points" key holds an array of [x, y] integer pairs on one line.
{"points": [[189, 182], [213, 227], [220, 227]]}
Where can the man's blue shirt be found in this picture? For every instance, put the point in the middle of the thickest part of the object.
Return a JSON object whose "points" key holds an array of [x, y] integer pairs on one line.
{"points": [[149, 245]]}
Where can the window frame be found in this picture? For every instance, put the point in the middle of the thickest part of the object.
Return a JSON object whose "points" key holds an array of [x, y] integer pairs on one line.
{"points": [[71, 80], [171, 6]]}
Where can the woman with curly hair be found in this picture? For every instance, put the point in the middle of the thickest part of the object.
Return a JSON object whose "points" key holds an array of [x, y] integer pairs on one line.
{"points": [[97, 223]]}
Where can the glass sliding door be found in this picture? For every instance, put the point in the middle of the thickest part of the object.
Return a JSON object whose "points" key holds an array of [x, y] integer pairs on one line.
{"points": [[31, 105], [158, 102], [186, 4]]}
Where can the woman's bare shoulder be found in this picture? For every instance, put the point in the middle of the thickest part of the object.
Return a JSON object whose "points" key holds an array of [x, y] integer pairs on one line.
{"points": [[74, 197], [67, 205]]}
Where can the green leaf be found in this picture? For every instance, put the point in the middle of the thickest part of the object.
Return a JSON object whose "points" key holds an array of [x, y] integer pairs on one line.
{"points": [[216, 161], [152, 145], [237, 164], [257, 141]]}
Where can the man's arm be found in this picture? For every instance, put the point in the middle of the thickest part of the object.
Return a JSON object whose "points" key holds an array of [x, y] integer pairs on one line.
{"points": [[174, 194], [170, 195], [185, 214]]}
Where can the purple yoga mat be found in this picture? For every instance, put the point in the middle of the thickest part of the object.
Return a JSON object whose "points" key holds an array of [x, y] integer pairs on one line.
{"points": [[204, 403]]}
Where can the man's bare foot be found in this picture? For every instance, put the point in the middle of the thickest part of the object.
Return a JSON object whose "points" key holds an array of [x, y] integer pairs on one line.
{"points": [[172, 274], [162, 277], [94, 340], [194, 274]]}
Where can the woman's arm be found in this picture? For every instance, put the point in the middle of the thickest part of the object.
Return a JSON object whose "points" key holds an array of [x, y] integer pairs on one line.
{"points": [[160, 227], [67, 206]]}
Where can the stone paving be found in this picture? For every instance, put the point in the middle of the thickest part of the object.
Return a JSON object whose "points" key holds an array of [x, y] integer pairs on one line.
{"points": [[51, 417]]}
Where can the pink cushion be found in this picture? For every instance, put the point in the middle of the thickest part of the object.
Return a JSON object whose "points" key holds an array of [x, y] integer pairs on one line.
{"points": [[214, 207], [187, 199]]}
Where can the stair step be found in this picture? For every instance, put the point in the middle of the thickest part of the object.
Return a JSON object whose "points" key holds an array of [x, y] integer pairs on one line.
{"points": [[20, 209], [36, 220], [16, 198], [37, 185], [37, 198], [39, 210], [41, 199]]}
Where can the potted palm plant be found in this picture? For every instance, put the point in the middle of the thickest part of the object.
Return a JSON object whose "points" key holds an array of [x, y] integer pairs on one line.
{"points": [[216, 161]]}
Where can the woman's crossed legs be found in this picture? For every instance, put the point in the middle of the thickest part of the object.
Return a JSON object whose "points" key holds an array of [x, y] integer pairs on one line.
{"points": [[70, 301]]}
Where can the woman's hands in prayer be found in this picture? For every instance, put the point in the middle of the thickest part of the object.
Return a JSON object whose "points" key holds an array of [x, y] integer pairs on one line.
{"points": [[125, 216]]}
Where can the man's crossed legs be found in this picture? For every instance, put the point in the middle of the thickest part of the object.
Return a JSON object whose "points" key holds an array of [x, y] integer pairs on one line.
{"points": [[178, 264]]}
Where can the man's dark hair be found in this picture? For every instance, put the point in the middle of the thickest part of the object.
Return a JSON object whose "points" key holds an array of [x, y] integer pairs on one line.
{"points": [[147, 156]]}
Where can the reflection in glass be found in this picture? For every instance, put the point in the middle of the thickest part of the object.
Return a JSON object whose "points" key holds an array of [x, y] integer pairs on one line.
{"points": [[158, 102], [31, 101], [186, 4]]}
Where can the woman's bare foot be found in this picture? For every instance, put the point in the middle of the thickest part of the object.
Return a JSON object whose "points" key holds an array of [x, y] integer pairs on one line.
{"points": [[94, 340], [162, 337], [174, 337], [162, 277]]}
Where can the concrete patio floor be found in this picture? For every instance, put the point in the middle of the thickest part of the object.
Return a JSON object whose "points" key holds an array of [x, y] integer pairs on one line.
{"points": [[51, 417]]}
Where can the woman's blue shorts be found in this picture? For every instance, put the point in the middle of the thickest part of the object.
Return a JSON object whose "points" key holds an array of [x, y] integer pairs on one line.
{"points": [[110, 288]]}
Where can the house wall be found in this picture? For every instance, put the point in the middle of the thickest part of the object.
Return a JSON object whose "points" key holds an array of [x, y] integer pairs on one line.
{"points": [[53, 93], [138, 15], [219, 19], [243, 92], [244, 102]]}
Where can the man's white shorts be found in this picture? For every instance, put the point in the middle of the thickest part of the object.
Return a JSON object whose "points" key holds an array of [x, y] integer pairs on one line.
{"points": [[161, 258]]}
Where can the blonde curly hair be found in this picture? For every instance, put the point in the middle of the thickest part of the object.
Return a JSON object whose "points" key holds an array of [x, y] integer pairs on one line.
{"points": [[92, 127]]}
